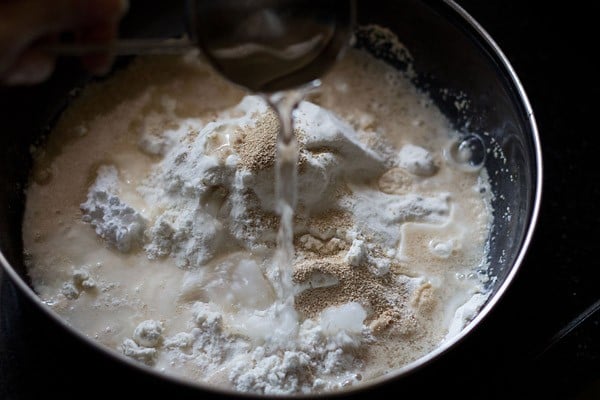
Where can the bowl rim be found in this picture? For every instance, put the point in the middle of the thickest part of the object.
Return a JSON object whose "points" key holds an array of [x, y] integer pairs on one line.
{"points": [[495, 51]]}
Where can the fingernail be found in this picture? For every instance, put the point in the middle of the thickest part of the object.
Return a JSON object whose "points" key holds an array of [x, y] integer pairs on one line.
{"points": [[28, 75], [34, 66]]}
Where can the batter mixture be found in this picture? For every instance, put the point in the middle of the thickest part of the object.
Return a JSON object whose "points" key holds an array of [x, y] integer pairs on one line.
{"points": [[150, 227]]}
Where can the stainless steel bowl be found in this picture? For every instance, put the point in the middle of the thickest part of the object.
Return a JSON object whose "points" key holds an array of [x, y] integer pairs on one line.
{"points": [[451, 51]]}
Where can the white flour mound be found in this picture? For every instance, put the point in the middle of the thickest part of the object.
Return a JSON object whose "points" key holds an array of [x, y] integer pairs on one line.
{"points": [[157, 214]]}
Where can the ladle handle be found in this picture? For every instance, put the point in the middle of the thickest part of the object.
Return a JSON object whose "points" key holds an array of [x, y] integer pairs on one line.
{"points": [[124, 47]]}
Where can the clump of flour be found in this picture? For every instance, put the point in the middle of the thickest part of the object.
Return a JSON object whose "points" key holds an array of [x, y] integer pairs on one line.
{"points": [[114, 221]]}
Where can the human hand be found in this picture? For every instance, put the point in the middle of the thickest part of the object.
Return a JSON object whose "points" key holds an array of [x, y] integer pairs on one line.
{"points": [[26, 26]]}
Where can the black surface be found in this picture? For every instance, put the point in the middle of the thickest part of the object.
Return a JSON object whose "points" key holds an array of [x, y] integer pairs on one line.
{"points": [[552, 49]]}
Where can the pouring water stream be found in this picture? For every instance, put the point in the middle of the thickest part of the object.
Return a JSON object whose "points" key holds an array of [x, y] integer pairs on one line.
{"points": [[278, 49]]}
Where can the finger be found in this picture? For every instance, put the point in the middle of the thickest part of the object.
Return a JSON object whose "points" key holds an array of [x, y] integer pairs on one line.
{"points": [[22, 22], [33, 66], [105, 34], [28, 19]]}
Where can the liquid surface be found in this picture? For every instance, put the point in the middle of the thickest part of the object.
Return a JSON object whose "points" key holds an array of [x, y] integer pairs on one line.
{"points": [[152, 225]]}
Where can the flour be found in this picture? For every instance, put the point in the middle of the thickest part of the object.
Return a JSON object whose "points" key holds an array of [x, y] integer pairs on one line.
{"points": [[322, 349], [81, 281], [116, 222], [139, 353], [171, 231], [148, 333], [416, 160]]}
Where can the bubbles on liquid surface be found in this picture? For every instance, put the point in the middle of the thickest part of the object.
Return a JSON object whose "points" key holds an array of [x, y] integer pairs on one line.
{"points": [[466, 153]]}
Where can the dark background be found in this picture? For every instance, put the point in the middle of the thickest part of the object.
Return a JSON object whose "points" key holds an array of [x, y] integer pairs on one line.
{"points": [[542, 339]]}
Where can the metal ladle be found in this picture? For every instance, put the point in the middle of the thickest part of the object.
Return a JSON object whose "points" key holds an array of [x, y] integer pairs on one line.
{"points": [[263, 45]]}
